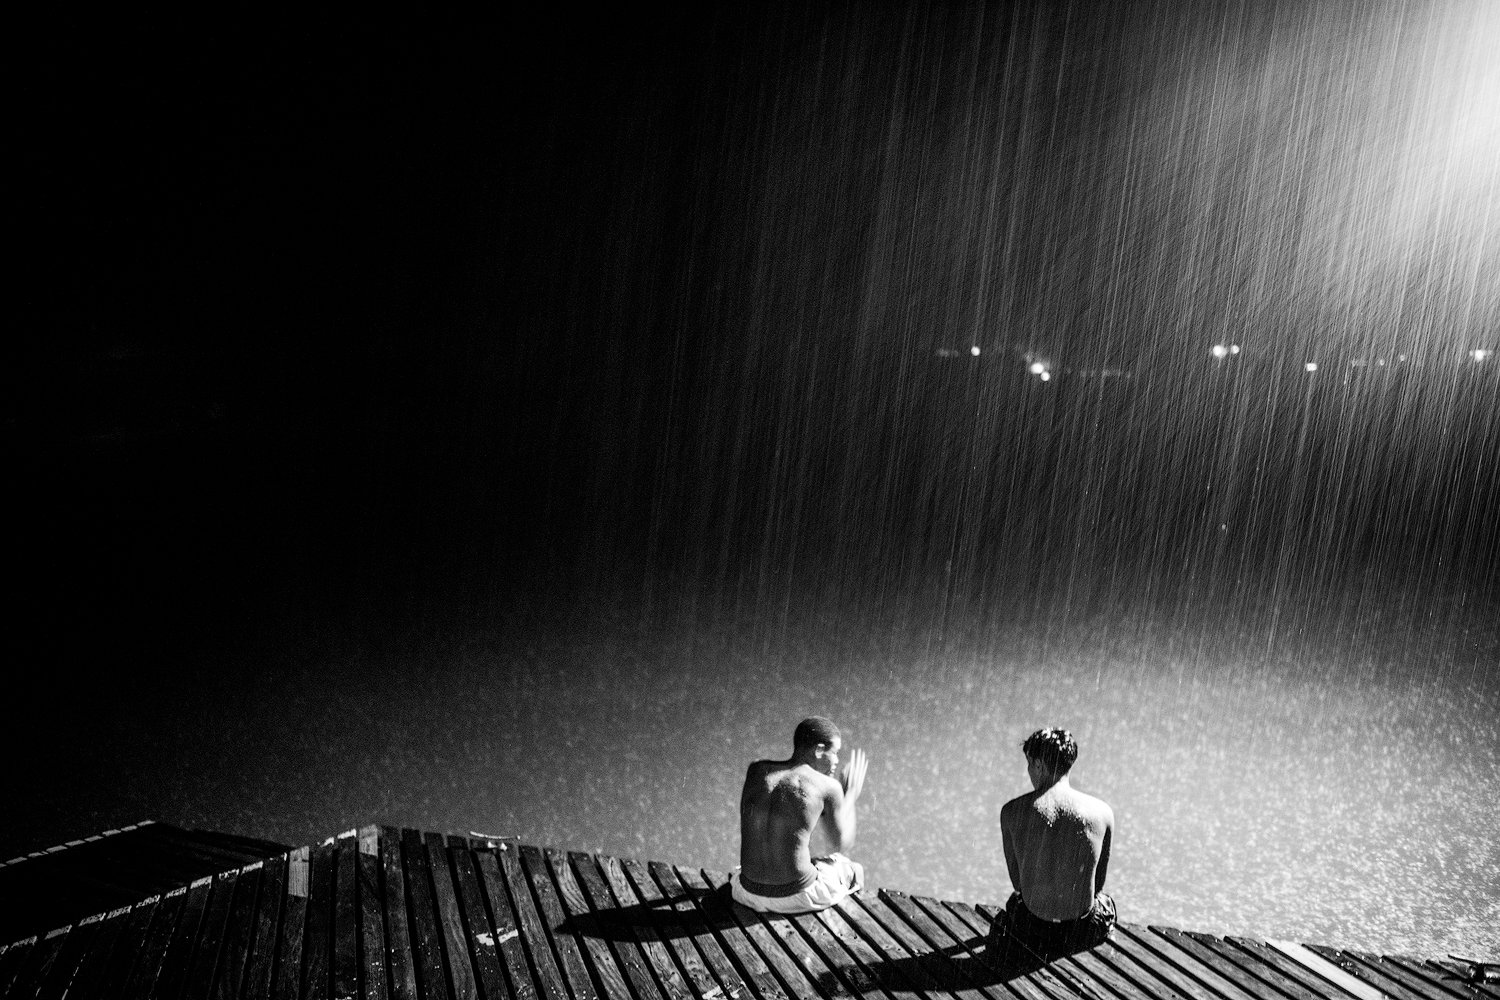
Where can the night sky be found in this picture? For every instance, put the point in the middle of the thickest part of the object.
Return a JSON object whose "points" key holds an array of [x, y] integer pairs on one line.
{"points": [[349, 340]]}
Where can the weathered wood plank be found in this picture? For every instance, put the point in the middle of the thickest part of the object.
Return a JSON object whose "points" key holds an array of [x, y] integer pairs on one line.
{"points": [[1058, 981], [106, 975], [910, 963], [432, 980], [317, 947], [526, 875], [373, 982], [344, 970], [398, 943], [849, 954], [793, 976], [256, 981], [523, 986], [1248, 983], [1127, 965], [451, 924], [211, 935], [674, 982], [1267, 973], [483, 949], [182, 949], [286, 982], [548, 867], [238, 927], [1370, 969], [33, 972], [12, 957], [684, 939], [720, 941], [946, 930], [164, 919], [1092, 969], [1198, 978], [626, 949], [74, 946], [1451, 979]]}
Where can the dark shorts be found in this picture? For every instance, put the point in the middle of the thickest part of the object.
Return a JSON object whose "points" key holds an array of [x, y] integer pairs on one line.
{"points": [[1018, 929]]}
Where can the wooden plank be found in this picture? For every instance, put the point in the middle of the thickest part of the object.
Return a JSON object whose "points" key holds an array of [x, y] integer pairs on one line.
{"points": [[546, 868], [792, 975], [483, 948], [1138, 972], [1205, 980], [12, 957], [33, 971], [945, 930], [255, 982], [177, 962], [717, 937], [915, 963], [317, 946], [1327, 971], [164, 918], [451, 924], [1160, 976], [685, 932], [1252, 965], [686, 983], [104, 952], [1055, 979], [1454, 979], [536, 882], [346, 914], [286, 981], [548, 981], [558, 965], [848, 956], [211, 935], [1370, 969], [111, 975], [1407, 973], [627, 950], [73, 948], [1248, 984], [432, 981], [373, 982], [1284, 966], [1102, 976], [398, 947], [235, 951], [939, 970]]}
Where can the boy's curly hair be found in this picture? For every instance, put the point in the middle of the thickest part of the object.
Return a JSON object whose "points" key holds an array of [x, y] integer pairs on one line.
{"points": [[1054, 747]]}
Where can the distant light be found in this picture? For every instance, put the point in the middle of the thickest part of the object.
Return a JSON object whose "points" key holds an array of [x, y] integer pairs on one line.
{"points": [[1037, 368], [1481, 354], [1311, 366], [974, 350], [1220, 351], [1234, 348], [1045, 375]]}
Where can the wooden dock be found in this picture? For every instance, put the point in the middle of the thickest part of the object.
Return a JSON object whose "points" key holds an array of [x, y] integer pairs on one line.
{"points": [[384, 913]]}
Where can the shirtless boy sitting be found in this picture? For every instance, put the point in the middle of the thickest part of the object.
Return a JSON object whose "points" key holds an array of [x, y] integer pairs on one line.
{"points": [[1057, 843], [782, 802]]}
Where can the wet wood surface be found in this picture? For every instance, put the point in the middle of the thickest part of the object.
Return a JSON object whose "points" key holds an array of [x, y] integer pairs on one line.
{"points": [[395, 914]]}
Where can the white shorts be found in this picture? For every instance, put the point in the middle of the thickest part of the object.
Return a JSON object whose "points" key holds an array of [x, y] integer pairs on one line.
{"points": [[837, 877]]}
